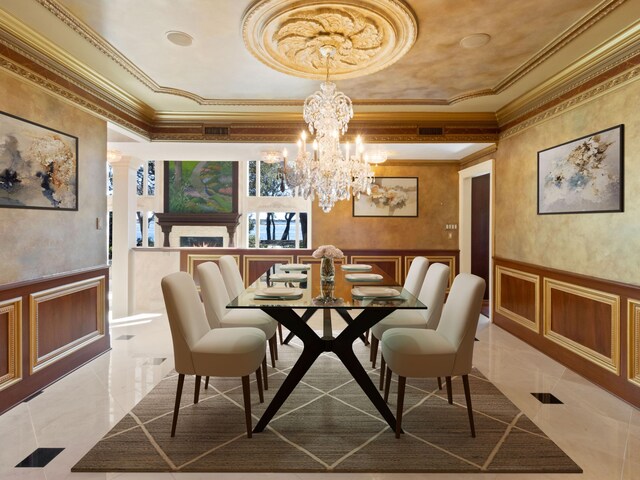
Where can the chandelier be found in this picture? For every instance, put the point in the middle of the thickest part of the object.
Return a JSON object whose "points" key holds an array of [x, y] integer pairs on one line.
{"points": [[326, 170]]}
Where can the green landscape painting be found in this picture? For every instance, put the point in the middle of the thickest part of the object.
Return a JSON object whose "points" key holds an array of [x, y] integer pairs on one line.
{"points": [[200, 187]]}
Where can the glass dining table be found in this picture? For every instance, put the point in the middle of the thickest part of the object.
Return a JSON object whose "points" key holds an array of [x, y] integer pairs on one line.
{"points": [[373, 294]]}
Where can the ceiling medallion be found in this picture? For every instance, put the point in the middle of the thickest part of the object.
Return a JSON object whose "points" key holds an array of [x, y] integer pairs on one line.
{"points": [[367, 35]]}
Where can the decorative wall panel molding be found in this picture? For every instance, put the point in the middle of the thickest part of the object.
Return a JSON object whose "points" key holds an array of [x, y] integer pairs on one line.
{"points": [[582, 318], [10, 342], [448, 260], [518, 297], [57, 329], [392, 264], [633, 341], [588, 324]]}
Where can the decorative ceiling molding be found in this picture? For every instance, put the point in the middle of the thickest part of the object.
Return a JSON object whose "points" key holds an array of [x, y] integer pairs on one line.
{"points": [[579, 96], [79, 27], [474, 157], [367, 35], [586, 22]]}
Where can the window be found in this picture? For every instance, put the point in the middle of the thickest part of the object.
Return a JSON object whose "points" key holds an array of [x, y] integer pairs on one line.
{"points": [[146, 179], [275, 218]]}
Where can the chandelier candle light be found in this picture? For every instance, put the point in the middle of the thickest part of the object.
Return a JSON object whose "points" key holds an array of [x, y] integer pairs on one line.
{"points": [[326, 171]]}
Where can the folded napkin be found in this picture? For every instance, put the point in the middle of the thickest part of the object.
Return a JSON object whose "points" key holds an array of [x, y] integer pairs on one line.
{"points": [[363, 277], [376, 292], [288, 277], [355, 267]]}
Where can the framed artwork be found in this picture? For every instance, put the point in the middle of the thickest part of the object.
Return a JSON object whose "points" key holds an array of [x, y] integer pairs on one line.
{"points": [[389, 197], [38, 166], [201, 187], [584, 175]]}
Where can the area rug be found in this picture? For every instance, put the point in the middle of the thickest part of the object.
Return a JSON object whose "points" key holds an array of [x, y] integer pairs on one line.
{"points": [[326, 425]]}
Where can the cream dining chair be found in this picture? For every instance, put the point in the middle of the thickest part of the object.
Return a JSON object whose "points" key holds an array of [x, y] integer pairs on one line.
{"points": [[432, 295], [200, 350], [444, 352], [215, 299], [235, 286], [412, 283]]}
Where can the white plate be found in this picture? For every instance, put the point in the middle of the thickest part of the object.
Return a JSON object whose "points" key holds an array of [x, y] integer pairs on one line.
{"points": [[295, 266], [374, 292], [355, 267], [288, 277], [363, 277]]}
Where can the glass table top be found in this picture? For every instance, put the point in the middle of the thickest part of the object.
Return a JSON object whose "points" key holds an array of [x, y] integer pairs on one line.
{"points": [[359, 292]]}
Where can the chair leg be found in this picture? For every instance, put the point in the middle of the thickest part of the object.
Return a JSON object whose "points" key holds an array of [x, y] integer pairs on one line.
{"points": [[247, 403], [196, 394], [387, 385], [176, 409], [366, 335], [259, 382], [274, 338], [382, 370], [272, 353], [280, 333], [401, 383], [467, 396], [439, 383], [374, 350], [265, 377], [449, 394]]}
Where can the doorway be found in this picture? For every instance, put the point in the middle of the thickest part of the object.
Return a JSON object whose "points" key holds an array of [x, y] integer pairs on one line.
{"points": [[476, 225]]}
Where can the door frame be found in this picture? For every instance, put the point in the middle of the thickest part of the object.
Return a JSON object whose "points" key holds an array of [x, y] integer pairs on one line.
{"points": [[464, 237]]}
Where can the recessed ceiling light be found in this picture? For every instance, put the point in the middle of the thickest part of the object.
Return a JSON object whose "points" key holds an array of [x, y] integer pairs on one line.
{"points": [[179, 38], [476, 40]]}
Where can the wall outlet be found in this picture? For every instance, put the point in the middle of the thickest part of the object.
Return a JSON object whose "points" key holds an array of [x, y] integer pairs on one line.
{"points": [[451, 226]]}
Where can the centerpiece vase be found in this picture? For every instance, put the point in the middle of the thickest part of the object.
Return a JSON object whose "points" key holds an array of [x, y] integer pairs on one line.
{"points": [[327, 269]]}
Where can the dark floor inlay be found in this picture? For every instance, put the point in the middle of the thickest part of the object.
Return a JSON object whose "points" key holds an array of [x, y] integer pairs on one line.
{"points": [[154, 361], [125, 337], [39, 458], [31, 397], [547, 398]]}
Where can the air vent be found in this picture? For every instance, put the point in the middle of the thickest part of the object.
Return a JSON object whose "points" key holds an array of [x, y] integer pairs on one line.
{"points": [[430, 131], [218, 131]]}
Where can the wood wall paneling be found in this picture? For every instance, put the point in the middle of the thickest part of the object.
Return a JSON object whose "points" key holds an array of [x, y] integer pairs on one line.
{"points": [[518, 297], [583, 320], [61, 323], [588, 324], [64, 319], [256, 265], [390, 264], [633, 341], [10, 342]]}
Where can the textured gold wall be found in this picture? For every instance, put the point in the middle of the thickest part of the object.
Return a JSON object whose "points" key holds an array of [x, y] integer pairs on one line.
{"points": [[605, 245], [437, 206], [45, 242]]}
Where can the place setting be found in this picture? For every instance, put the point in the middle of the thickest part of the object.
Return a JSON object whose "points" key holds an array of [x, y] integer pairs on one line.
{"points": [[278, 293]]}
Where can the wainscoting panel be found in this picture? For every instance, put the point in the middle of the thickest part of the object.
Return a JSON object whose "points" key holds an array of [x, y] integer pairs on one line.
{"points": [[50, 327], [588, 324], [518, 297], [448, 260], [390, 264], [65, 319], [633, 343], [256, 265], [10, 342]]}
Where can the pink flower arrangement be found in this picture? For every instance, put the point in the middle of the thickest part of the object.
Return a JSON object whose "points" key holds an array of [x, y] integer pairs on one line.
{"points": [[328, 251]]}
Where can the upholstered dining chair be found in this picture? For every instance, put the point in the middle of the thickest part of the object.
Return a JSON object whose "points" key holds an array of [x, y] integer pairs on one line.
{"points": [[215, 299], [235, 286], [431, 294], [200, 350], [444, 352], [412, 283]]}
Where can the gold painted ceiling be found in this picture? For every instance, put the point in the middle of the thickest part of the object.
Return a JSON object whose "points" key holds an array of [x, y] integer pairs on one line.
{"points": [[120, 45]]}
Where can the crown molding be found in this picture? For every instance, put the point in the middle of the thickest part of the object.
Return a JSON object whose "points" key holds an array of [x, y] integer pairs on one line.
{"points": [[418, 163], [469, 159], [606, 57]]}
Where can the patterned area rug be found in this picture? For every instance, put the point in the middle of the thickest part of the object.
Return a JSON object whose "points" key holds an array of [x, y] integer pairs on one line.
{"points": [[327, 424]]}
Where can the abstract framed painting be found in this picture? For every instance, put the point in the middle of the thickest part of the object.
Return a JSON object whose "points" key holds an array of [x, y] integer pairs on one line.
{"points": [[584, 175], [389, 197], [38, 166]]}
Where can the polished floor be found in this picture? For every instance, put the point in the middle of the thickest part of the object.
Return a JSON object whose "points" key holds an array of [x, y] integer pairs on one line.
{"points": [[600, 432]]}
